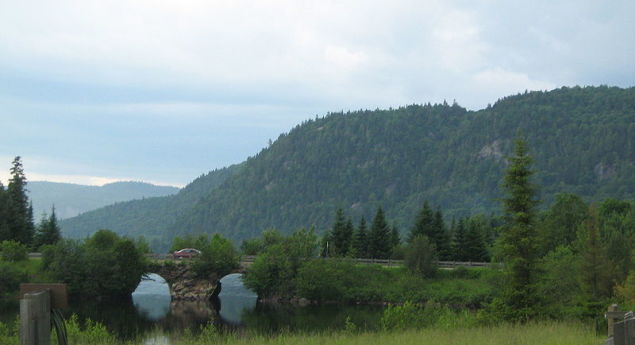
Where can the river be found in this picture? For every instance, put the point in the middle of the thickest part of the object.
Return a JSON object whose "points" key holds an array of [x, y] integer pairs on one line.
{"points": [[151, 311]]}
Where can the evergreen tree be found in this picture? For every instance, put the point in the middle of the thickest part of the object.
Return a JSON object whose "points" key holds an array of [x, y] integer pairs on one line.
{"points": [[442, 237], [5, 233], [360, 240], [341, 234], [519, 237], [595, 266], [474, 244], [379, 237], [395, 238], [424, 223], [20, 218], [459, 245], [48, 231]]}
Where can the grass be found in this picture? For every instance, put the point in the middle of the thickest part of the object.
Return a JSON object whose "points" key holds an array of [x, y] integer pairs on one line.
{"points": [[552, 333], [538, 333]]}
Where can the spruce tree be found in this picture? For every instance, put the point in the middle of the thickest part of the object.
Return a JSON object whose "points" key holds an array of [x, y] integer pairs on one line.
{"points": [[48, 231], [341, 234], [424, 223], [441, 237], [4, 215], [20, 215], [519, 237], [474, 245], [459, 244], [360, 240], [379, 237]]}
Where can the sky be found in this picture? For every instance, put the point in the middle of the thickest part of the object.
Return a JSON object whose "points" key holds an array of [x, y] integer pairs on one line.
{"points": [[163, 91]]}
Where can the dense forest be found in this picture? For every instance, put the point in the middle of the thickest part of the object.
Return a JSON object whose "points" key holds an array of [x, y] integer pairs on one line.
{"points": [[72, 199], [581, 139]]}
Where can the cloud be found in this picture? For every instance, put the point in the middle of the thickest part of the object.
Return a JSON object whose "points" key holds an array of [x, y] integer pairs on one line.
{"points": [[172, 88]]}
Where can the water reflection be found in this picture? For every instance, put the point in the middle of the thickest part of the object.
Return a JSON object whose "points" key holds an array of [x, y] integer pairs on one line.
{"points": [[235, 299], [150, 313], [152, 297]]}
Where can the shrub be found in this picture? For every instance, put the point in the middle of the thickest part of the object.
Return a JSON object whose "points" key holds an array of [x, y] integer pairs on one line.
{"points": [[13, 251], [421, 256]]}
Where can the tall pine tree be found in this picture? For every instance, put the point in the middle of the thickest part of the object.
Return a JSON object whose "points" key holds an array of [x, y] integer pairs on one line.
{"points": [[379, 237], [20, 215], [360, 240], [341, 234], [519, 238]]}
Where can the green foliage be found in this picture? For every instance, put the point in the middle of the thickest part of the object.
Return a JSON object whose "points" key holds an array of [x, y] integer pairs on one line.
{"points": [[379, 244], [105, 265], [274, 271], [12, 276], [13, 251], [218, 257], [559, 284], [401, 317], [360, 240], [560, 223], [48, 231], [519, 237], [421, 256]]}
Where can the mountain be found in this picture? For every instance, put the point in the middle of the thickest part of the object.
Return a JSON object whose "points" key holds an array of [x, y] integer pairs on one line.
{"points": [[582, 141], [73, 199], [150, 216]]}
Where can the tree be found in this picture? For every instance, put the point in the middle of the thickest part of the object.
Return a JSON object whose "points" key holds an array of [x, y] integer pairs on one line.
{"points": [[421, 256], [379, 237], [48, 231], [424, 223], [20, 220], [5, 233], [562, 220], [395, 239], [594, 266], [360, 240], [474, 244], [519, 237], [459, 244], [341, 234], [441, 236]]}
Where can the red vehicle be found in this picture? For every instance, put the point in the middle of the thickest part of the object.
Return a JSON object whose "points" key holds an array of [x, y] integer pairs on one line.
{"points": [[187, 253]]}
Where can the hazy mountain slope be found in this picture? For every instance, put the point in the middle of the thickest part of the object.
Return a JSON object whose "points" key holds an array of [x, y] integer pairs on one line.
{"points": [[73, 199], [581, 138], [151, 216]]}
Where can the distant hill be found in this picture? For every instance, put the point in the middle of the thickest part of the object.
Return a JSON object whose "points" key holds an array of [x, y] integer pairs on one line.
{"points": [[150, 216], [73, 199], [582, 140]]}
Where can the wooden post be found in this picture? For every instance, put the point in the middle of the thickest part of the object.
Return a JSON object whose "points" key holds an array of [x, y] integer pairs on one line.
{"points": [[610, 320], [35, 318]]}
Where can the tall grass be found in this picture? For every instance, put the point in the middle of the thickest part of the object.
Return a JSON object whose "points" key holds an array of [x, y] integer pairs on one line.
{"points": [[551, 333], [538, 333]]}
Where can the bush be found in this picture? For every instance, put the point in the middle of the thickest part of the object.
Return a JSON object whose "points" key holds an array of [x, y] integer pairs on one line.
{"points": [[218, 257], [421, 256], [105, 265], [13, 251], [10, 279]]}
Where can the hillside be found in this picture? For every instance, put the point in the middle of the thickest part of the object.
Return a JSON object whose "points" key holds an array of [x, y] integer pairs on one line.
{"points": [[72, 199], [150, 216], [581, 139]]}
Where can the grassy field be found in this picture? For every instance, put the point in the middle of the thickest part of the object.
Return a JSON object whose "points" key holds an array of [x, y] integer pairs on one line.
{"points": [[537, 333], [547, 333]]}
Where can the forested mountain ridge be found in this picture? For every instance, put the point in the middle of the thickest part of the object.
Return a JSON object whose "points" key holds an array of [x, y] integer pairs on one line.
{"points": [[150, 216], [581, 140], [72, 199]]}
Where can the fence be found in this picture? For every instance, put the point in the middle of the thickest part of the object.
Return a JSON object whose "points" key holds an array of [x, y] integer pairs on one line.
{"points": [[621, 326]]}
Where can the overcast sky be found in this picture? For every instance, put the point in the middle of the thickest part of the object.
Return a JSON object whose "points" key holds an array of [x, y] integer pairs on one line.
{"points": [[163, 91]]}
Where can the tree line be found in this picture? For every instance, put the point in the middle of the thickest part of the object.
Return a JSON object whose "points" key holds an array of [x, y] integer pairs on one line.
{"points": [[16, 214]]}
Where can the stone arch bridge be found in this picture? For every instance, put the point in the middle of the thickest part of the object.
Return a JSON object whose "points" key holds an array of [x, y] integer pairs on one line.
{"points": [[183, 282]]}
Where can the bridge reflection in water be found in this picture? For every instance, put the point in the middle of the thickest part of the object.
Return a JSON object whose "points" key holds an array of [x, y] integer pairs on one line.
{"points": [[152, 299]]}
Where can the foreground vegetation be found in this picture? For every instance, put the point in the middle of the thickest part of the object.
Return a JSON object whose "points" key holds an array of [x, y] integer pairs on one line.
{"points": [[551, 333]]}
